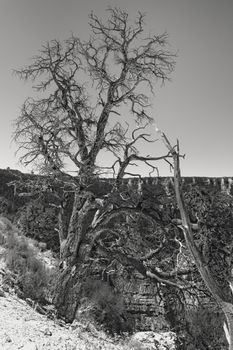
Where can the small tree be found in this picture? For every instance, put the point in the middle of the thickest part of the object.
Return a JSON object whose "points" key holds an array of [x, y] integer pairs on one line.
{"points": [[94, 103]]}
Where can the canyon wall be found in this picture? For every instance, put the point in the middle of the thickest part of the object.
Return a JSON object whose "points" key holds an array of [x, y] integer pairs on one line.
{"points": [[141, 295]]}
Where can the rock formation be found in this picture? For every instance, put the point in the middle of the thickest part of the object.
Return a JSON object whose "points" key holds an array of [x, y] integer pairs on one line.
{"points": [[38, 220]]}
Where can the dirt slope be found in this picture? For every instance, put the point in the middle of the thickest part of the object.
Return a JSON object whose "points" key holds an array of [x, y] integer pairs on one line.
{"points": [[21, 327]]}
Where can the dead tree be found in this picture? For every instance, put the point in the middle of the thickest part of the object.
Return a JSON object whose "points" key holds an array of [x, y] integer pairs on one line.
{"points": [[94, 101], [222, 297]]}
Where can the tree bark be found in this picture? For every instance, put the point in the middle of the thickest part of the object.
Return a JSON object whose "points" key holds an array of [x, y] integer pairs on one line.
{"points": [[228, 326], [74, 260]]}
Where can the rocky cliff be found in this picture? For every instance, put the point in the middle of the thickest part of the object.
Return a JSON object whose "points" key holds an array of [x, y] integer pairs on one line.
{"points": [[39, 220], [222, 184]]}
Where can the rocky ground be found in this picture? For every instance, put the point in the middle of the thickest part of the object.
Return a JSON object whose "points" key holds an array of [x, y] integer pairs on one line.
{"points": [[22, 327]]}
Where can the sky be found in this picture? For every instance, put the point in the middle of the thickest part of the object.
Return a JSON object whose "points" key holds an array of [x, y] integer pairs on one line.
{"points": [[195, 107]]}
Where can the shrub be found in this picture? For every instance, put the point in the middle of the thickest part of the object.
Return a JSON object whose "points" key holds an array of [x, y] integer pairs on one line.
{"points": [[101, 304], [205, 327], [5, 205], [6, 230]]}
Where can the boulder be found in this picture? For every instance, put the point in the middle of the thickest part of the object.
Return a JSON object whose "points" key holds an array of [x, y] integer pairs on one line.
{"points": [[154, 341]]}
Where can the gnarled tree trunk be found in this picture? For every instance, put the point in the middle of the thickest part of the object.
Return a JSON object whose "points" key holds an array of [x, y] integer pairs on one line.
{"points": [[74, 258]]}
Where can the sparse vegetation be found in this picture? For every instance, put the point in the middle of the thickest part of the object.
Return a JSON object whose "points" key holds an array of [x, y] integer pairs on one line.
{"points": [[32, 277]]}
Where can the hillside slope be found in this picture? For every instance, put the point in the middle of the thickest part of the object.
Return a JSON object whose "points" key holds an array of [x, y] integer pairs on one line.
{"points": [[22, 327]]}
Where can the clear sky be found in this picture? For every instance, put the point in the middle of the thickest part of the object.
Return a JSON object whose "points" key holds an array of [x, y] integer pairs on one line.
{"points": [[196, 107]]}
